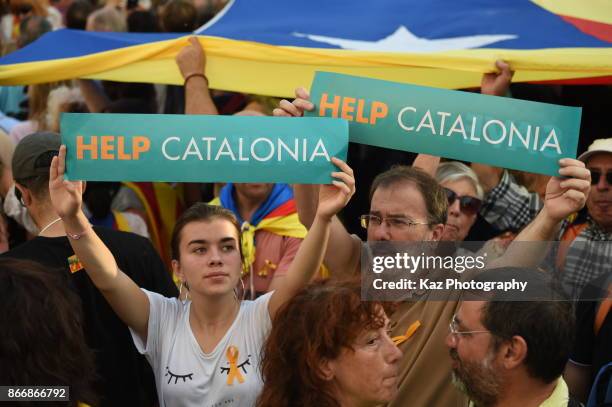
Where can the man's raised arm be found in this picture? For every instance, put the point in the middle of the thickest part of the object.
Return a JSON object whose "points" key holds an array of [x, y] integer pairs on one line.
{"points": [[565, 195], [343, 250]]}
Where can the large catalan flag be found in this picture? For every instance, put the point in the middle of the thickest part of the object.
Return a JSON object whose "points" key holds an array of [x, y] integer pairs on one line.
{"points": [[271, 46]]}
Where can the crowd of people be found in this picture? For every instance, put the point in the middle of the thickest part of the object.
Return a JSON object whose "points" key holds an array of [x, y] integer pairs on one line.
{"points": [[251, 294]]}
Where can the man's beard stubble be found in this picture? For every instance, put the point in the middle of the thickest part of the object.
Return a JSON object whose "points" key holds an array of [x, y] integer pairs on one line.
{"points": [[478, 380]]}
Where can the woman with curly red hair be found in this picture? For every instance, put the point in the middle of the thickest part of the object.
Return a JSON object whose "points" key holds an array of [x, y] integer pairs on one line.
{"points": [[328, 348]]}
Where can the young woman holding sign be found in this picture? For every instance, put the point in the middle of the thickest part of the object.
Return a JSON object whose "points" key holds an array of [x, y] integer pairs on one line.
{"points": [[206, 348]]}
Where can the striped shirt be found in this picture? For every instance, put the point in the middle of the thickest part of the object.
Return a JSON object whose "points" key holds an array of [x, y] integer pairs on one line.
{"points": [[510, 206]]}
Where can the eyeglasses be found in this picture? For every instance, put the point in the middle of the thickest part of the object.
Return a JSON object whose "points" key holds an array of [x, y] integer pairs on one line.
{"points": [[467, 204], [453, 325], [391, 222], [596, 175]]}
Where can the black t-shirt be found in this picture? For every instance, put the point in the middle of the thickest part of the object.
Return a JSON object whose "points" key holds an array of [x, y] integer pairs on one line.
{"points": [[590, 349], [124, 376]]}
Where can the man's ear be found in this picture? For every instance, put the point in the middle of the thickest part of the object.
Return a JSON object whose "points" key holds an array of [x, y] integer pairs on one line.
{"points": [[436, 232], [23, 194], [515, 352]]}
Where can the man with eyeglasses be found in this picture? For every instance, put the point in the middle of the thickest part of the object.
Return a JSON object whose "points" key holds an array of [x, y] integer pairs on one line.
{"points": [[502, 355], [408, 205]]}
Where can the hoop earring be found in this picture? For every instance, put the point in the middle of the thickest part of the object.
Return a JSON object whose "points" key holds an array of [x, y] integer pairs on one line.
{"points": [[183, 300], [243, 291]]}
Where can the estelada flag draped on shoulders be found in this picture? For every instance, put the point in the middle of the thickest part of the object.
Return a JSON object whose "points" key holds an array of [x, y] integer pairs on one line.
{"points": [[277, 214], [270, 47]]}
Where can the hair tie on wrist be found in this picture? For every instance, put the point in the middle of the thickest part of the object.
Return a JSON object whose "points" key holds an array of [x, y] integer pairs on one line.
{"points": [[77, 236], [191, 75]]}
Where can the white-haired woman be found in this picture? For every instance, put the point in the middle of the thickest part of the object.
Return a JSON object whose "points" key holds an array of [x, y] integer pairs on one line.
{"points": [[465, 195], [62, 100]]}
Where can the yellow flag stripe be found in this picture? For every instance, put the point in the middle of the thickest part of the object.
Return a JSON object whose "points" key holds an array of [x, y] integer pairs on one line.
{"points": [[253, 67]]}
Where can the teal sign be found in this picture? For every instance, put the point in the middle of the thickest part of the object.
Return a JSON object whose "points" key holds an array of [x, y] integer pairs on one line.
{"points": [[197, 148], [465, 126]]}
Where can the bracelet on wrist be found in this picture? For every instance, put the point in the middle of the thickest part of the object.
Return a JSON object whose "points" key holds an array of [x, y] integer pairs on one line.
{"points": [[191, 75]]}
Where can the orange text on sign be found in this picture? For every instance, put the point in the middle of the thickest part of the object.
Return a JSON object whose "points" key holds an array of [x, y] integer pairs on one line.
{"points": [[352, 109], [112, 147]]}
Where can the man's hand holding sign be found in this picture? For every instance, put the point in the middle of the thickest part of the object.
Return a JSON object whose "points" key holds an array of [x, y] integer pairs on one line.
{"points": [[470, 127], [565, 194]]}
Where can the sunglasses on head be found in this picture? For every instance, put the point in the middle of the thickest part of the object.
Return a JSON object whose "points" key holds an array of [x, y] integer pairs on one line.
{"points": [[596, 175], [467, 204]]}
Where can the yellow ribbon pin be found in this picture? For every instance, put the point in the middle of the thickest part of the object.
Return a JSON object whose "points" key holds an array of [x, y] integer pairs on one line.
{"points": [[268, 266], [234, 373], [398, 340]]}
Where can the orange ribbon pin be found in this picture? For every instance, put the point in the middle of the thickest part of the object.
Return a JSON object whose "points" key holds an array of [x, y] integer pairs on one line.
{"points": [[234, 373], [267, 267], [398, 340]]}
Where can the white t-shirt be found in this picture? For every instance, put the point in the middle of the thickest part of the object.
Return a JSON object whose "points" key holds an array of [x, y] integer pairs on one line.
{"points": [[229, 376]]}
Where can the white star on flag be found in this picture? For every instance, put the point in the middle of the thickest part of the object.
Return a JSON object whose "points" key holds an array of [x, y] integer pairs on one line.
{"points": [[402, 40]]}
